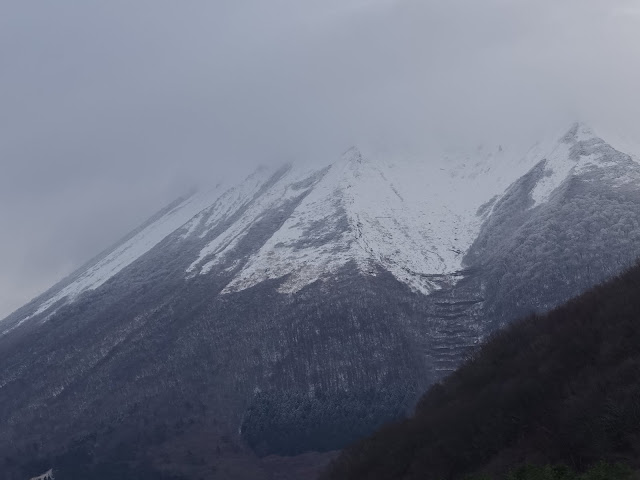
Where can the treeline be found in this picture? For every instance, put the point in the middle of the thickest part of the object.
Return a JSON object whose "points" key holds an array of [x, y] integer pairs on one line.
{"points": [[559, 388], [600, 471]]}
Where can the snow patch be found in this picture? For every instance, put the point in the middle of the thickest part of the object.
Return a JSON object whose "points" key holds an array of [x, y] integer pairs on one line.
{"points": [[250, 206], [128, 252], [557, 167]]}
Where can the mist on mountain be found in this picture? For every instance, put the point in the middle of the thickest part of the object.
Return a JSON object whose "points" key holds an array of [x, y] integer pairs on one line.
{"points": [[110, 110]]}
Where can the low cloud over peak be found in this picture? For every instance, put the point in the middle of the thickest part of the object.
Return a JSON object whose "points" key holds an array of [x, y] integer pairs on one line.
{"points": [[110, 109]]}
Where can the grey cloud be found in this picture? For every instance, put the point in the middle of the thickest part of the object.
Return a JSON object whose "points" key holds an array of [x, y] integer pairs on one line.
{"points": [[110, 109]]}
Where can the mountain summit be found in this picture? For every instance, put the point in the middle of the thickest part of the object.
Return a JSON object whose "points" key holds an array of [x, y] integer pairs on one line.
{"points": [[301, 309]]}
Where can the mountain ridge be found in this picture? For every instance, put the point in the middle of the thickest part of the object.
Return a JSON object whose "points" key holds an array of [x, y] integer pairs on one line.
{"points": [[449, 258], [283, 316]]}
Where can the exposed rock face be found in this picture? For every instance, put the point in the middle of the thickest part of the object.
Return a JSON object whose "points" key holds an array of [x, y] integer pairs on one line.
{"points": [[301, 309]]}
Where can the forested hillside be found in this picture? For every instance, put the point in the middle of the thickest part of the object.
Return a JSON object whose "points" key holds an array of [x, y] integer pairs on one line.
{"points": [[562, 388]]}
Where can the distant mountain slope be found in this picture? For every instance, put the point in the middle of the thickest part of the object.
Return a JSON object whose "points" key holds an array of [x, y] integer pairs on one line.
{"points": [[558, 388], [303, 308]]}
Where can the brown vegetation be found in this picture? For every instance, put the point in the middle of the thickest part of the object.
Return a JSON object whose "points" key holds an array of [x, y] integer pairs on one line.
{"points": [[559, 388]]}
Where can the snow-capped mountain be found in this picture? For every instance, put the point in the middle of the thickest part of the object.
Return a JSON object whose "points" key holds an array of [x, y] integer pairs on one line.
{"points": [[413, 218], [303, 307]]}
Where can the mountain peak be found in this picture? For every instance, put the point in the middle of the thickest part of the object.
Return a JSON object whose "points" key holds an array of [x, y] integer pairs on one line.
{"points": [[353, 154], [579, 131]]}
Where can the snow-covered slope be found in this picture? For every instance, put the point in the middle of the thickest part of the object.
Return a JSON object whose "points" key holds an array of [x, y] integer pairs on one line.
{"points": [[129, 251], [413, 217], [573, 155]]}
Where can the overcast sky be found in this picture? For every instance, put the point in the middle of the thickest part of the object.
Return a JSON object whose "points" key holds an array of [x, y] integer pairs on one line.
{"points": [[110, 109]]}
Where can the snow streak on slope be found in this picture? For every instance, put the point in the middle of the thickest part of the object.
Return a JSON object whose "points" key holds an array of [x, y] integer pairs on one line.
{"points": [[259, 194], [411, 217], [560, 162], [126, 253], [313, 241], [579, 151]]}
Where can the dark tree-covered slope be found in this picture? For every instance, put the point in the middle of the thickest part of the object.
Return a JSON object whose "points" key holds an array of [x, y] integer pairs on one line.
{"points": [[558, 388]]}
